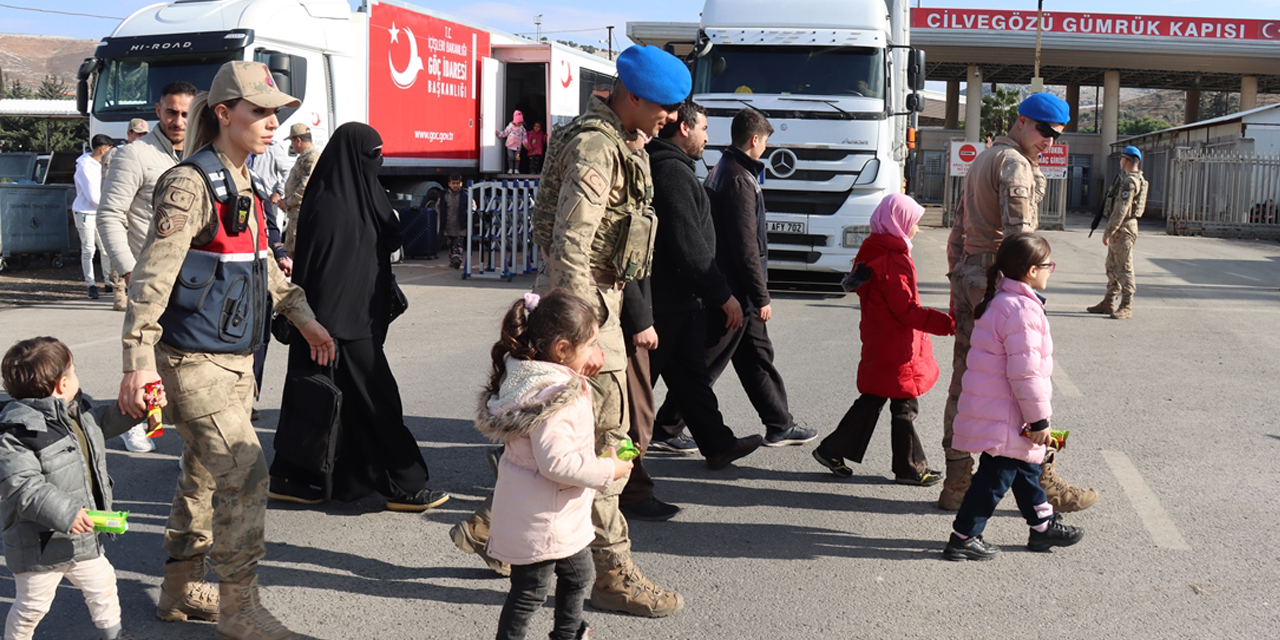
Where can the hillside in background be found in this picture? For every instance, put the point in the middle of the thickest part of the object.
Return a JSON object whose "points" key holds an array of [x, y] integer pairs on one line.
{"points": [[28, 59]]}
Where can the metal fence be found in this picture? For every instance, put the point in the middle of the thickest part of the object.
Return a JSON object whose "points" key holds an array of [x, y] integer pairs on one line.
{"points": [[1052, 208], [1223, 194], [500, 242]]}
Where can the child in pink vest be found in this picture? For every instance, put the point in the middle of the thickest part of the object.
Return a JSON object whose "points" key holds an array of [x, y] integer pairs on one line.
{"points": [[538, 403], [1004, 408]]}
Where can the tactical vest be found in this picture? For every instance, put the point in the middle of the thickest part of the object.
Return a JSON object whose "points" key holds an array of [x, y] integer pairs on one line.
{"points": [[1139, 203], [220, 303], [624, 240]]}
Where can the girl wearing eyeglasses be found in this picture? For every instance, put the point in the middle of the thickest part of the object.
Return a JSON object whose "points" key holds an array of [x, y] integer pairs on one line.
{"points": [[1004, 408]]}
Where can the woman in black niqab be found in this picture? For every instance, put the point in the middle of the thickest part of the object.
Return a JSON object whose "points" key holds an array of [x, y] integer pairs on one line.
{"points": [[347, 232]]}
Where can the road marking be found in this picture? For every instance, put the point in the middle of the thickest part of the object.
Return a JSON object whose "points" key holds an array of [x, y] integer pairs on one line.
{"points": [[1241, 275], [1064, 383], [1154, 518]]}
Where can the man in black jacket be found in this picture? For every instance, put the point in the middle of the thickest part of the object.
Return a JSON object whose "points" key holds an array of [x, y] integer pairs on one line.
{"points": [[686, 282], [737, 209]]}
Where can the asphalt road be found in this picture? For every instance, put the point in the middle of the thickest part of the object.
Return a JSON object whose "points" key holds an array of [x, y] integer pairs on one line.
{"points": [[1173, 417]]}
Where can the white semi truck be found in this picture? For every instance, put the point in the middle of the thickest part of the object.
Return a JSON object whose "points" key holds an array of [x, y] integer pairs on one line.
{"points": [[838, 81], [435, 87]]}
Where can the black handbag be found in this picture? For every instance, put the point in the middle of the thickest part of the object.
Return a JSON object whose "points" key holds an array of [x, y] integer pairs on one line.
{"points": [[398, 303], [310, 422]]}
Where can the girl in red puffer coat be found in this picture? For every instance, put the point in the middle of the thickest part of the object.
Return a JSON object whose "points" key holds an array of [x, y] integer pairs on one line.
{"points": [[897, 358]]}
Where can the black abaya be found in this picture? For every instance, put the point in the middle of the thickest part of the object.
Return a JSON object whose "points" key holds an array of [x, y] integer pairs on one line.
{"points": [[346, 234]]}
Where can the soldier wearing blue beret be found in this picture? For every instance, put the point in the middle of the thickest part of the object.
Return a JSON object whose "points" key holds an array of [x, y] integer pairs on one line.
{"points": [[1125, 202], [1001, 196], [594, 223]]}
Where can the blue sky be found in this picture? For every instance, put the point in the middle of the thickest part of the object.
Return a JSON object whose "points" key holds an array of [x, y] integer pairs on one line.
{"points": [[584, 20]]}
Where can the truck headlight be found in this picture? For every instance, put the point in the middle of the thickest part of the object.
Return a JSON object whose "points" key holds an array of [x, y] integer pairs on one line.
{"points": [[853, 236]]}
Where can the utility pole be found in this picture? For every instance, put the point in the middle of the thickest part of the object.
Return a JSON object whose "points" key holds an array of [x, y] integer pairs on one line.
{"points": [[1037, 83], [610, 28], [537, 22]]}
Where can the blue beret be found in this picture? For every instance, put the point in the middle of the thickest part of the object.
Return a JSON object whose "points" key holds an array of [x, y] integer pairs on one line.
{"points": [[654, 74], [1132, 151], [1045, 107]]}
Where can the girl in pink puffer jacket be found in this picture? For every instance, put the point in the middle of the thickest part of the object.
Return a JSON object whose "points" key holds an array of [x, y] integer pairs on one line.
{"points": [[1004, 406], [538, 403]]}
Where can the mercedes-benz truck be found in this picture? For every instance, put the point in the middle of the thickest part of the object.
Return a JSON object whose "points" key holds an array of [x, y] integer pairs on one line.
{"points": [[837, 79]]}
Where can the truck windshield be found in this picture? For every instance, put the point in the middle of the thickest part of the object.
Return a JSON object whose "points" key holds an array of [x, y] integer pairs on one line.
{"points": [[791, 70], [130, 87]]}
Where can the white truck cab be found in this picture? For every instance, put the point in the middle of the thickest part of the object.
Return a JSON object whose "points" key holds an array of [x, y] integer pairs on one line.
{"points": [[836, 79]]}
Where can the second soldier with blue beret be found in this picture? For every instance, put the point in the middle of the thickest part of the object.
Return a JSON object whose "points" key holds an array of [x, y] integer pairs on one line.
{"points": [[1124, 204]]}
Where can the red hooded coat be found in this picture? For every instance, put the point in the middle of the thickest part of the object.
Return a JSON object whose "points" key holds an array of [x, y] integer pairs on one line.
{"points": [[897, 357]]}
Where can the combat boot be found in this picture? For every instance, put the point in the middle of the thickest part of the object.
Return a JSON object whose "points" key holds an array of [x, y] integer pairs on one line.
{"points": [[119, 297], [1106, 306], [1064, 497], [470, 536], [959, 475], [621, 587], [244, 617], [1126, 309], [184, 593]]}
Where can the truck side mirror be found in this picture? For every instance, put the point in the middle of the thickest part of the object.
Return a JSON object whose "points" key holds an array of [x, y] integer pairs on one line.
{"points": [[915, 102], [915, 70], [290, 75], [82, 84]]}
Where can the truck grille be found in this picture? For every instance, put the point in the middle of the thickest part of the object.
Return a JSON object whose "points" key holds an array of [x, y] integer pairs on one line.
{"points": [[818, 203]]}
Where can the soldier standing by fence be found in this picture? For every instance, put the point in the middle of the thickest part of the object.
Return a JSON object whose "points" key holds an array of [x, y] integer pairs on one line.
{"points": [[1125, 202]]}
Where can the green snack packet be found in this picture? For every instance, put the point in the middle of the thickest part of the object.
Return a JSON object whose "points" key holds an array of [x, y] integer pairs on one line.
{"points": [[626, 450], [109, 521]]}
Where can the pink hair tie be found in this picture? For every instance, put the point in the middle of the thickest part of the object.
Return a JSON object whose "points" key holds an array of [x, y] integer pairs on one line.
{"points": [[531, 301]]}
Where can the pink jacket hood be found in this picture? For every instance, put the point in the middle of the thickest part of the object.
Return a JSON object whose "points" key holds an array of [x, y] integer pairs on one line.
{"points": [[1007, 384], [549, 473]]}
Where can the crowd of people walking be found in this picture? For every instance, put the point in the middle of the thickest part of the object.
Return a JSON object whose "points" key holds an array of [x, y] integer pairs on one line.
{"points": [[650, 273]]}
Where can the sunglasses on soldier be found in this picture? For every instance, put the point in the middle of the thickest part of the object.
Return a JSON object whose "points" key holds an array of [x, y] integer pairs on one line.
{"points": [[1045, 129]]}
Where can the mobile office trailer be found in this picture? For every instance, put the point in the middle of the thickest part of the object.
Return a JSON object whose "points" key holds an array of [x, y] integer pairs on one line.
{"points": [[837, 80], [436, 88]]}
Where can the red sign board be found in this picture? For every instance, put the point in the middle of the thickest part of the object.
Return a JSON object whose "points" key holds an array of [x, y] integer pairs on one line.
{"points": [[423, 84], [1097, 24], [1053, 162], [968, 152]]}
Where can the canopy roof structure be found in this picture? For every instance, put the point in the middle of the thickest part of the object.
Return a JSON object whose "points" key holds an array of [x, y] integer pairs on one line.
{"points": [[1151, 52]]}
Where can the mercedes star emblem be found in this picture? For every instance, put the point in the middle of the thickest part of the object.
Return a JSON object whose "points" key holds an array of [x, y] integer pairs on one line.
{"points": [[782, 163]]}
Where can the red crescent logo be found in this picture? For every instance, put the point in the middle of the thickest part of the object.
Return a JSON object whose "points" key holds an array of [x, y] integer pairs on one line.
{"points": [[568, 74], [315, 119], [1266, 30]]}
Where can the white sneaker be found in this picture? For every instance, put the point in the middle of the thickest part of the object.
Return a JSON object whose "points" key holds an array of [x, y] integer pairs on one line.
{"points": [[136, 440]]}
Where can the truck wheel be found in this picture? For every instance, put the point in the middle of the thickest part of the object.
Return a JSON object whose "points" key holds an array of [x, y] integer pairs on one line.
{"points": [[59, 261], [2, 264]]}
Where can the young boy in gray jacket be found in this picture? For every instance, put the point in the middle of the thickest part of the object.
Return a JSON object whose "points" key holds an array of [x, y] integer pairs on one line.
{"points": [[53, 469]]}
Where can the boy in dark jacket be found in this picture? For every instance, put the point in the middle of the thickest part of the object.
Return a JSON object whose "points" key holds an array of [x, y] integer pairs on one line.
{"points": [[53, 469], [737, 209], [687, 285]]}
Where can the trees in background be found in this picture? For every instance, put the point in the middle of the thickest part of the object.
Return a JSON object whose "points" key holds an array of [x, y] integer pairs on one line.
{"points": [[37, 134]]}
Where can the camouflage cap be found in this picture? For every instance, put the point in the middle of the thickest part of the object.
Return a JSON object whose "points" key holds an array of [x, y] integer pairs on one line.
{"points": [[251, 81], [299, 129], [138, 125]]}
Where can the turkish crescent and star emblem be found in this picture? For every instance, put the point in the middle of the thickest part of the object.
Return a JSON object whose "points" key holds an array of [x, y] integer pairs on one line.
{"points": [[405, 79]]}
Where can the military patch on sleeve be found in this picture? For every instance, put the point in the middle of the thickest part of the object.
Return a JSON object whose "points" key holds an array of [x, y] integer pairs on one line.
{"points": [[178, 198], [1126, 194], [594, 181], [169, 222]]}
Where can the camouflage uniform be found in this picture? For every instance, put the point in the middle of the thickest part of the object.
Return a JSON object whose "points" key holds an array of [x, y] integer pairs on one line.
{"points": [[220, 505], [1126, 200], [294, 188], [595, 227]]}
